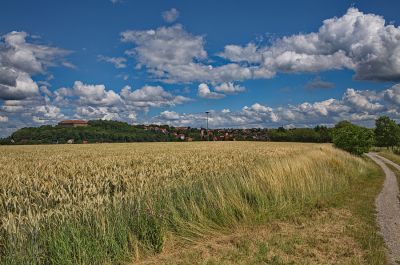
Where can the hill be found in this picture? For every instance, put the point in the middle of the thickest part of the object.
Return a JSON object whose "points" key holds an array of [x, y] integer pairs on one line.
{"points": [[100, 131]]}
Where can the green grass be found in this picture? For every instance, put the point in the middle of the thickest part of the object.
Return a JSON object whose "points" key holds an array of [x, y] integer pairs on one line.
{"points": [[390, 155], [341, 229], [394, 158], [360, 201]]}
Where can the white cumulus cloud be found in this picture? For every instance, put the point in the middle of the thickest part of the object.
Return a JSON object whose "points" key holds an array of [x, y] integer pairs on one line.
{"points": [[118, 62], [170, 15], [19, 60], [229, 88], [204, 91]]}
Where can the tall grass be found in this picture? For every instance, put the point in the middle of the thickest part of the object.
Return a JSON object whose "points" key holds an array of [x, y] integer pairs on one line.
{"points": [[109, 203], [391, 154]]}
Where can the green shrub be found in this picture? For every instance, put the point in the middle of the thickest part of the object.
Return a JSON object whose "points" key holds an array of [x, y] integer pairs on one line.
{"points": [[352, 138]]}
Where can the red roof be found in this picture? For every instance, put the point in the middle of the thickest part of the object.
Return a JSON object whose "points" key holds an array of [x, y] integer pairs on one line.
{"points": [[73, 122]]}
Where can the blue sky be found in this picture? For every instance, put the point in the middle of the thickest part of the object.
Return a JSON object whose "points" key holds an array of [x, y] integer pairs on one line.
{"points": [[251, 63]]}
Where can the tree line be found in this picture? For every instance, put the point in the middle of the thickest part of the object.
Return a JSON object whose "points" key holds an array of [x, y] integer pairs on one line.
{"points": [[97, 131], [345, 135], [100, 131], [358, 140]]}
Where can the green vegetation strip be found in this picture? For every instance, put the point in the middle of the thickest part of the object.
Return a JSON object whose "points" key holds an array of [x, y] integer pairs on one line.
{"points": [[387, 153], [341, 229], [394, 158]]}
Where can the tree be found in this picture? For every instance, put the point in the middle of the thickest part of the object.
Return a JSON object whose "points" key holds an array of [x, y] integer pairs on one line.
{"points": [[352, 138], [387, 132], [342, 124]]}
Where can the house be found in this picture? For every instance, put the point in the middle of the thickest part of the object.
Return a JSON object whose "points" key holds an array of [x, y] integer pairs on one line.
{"points": [[73, 123]]}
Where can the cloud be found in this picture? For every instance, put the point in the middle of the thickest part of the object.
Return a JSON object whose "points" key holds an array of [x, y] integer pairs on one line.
{"points": [[124, 77], [170, 15], [151, 96], [248, 53], [229, 88], [30, 111], [47, 113], [90, 112], [393, 94], [102, 101], [360, 106], [132, 116], [204, 91], [95, 101], [179, 119], [357, 41], [95, 94], [262, 111], [46, 91], [8, 76], [69, 65], [363, 43], [363, 101], [3, 118], [318, 83], [24, 87], [86, 94], [20, 60], [18, 54], [118, 62], [165, 46], [173, 55], [170, 115]]}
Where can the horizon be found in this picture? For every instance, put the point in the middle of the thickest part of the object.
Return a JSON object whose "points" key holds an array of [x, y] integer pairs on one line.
{"points": [[168, 62], [198, 128]]}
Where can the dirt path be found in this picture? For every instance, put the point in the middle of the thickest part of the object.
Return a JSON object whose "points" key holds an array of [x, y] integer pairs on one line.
{"points": [[388, 207]]}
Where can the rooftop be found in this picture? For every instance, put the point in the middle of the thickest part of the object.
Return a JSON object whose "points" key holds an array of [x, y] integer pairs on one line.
{"points": [[73, 122]]}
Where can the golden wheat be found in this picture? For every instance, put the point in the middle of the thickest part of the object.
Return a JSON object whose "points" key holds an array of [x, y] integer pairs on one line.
{"points": [[55, 184]]}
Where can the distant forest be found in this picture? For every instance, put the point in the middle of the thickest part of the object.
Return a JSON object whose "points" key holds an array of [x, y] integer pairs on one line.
{"points": [[100, 131]]}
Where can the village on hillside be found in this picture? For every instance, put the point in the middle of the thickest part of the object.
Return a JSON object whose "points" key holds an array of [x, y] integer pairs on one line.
{"points": [[101, 131]]}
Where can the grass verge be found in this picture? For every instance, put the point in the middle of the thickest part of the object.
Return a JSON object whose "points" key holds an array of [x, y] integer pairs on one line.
{"points": [[341, 230], [390, 155], [394, 158]]}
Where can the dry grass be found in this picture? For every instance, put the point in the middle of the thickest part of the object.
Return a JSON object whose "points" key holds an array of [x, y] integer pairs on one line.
{"points": [[389, 155], [317, 239], [108, 203]]}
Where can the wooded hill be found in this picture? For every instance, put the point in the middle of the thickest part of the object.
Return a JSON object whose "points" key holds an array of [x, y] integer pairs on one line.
{"points": [[100, 131]]}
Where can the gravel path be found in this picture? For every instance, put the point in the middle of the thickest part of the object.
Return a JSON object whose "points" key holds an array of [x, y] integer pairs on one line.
{"points": [[388, 207]]}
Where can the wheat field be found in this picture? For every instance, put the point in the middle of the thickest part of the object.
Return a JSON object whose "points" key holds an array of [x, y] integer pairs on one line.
{"points": [[112, 203]]}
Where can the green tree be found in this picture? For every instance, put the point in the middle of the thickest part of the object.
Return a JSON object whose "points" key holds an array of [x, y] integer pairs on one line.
{"points": [[352, 138], [387, 132], [342, 124]]}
